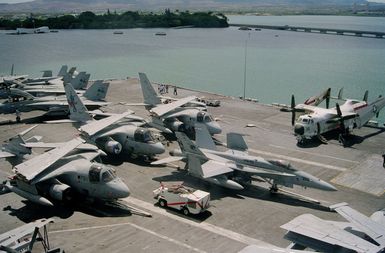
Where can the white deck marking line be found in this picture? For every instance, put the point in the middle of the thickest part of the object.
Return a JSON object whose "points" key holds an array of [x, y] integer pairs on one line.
{"points": [[202, 225], [327, 156], [135, 226], [298, 160]]}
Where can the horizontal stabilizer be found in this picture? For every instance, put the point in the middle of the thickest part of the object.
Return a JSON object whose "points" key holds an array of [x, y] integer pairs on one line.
{"points": [[213, 168], [168, 160]]}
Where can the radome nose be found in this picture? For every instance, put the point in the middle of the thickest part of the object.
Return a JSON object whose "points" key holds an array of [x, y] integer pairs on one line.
{"points": [[121, 190], [299, 129], [158, 148], [214, 128]]}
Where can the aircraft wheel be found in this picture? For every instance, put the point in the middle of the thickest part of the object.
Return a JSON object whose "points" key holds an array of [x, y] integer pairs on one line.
{"points": [[185, 211], [162, 202]]}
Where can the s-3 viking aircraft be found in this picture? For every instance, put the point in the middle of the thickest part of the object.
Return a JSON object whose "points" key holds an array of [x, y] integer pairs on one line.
{"points": [[173, 115], [64, 173], [317, 121], [358, 234], [235, 168], [116, 133]]}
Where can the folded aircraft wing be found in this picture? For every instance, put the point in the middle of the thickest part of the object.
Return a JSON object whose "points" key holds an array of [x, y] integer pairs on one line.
{"points": [[33, 167], [160, 110], [373, 229], [96, 126], [309, 230], [83, 146], [213, 168], [5, 154]]}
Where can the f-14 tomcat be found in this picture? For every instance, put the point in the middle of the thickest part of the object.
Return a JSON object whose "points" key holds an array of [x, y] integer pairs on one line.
{"points": [[235, 168], [64, 173], [317, 121]]}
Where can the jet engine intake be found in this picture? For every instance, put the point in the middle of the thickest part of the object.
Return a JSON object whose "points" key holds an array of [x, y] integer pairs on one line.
{"points": [[177, 126], [113, 147], [60, 192]]}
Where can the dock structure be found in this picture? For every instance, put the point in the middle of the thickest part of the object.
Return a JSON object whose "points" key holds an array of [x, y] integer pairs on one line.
{"points": [[358, 33]]}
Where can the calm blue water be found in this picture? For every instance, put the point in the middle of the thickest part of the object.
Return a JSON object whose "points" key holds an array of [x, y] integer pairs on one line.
{"points": [[279, 63]]}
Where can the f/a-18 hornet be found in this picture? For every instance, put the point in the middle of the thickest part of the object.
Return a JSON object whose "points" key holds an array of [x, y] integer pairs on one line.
{"points": [[235, 168]]}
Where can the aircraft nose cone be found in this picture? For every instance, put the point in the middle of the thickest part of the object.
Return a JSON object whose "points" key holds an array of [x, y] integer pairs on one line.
{"points": [[299, 129], [158, 148], [326, 186], [214, 128], [120, 190]]}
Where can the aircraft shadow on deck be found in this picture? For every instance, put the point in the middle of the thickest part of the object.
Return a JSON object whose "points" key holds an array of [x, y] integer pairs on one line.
{"points": [[251, 191], [117, 160], [31, 211]]}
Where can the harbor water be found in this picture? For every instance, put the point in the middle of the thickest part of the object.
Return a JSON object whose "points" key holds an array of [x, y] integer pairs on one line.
{"points": [[278, 63]]}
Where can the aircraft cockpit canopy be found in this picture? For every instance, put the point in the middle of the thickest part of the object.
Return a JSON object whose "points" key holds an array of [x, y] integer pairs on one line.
{"points": [[282, 164], [306, 120], [100, 173], [143, 135], [202, 117]]}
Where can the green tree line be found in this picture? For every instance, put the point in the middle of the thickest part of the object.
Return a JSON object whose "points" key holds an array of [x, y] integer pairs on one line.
{"points": [[129, 19]]}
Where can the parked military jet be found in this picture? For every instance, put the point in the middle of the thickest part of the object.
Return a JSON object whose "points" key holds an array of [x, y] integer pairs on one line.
{"points": [[235, 168], [317, 121], [116, 133], [23, 238], [61, 175], [23, 101], [54, 88], [359, 234], [15, 146], [172, 115]]}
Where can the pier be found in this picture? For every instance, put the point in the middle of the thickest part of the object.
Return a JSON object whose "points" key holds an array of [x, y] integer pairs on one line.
{"points": [[358, 33]]}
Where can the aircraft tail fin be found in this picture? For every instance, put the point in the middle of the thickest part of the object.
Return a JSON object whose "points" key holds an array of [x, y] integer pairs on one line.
{"points": [[80, 81], [15, 144], [63, 70], [366, 96], [72, 71], [194, 166], [236, 141], [97, 91], [78, 111], [187, 146], [149, 95], [203, 138], [47, 73], [340, 93]]}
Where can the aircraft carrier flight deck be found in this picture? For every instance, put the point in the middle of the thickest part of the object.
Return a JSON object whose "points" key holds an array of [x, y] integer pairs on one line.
{"points": [[235, 219]]}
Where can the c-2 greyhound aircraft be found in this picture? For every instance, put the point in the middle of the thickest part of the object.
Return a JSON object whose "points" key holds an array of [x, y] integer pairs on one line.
{"points": [[235, 168], [317, 121], [172, 115]]}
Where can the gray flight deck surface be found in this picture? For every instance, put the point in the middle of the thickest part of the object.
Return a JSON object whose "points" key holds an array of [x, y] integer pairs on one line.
{"points": [[235, 219]]}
